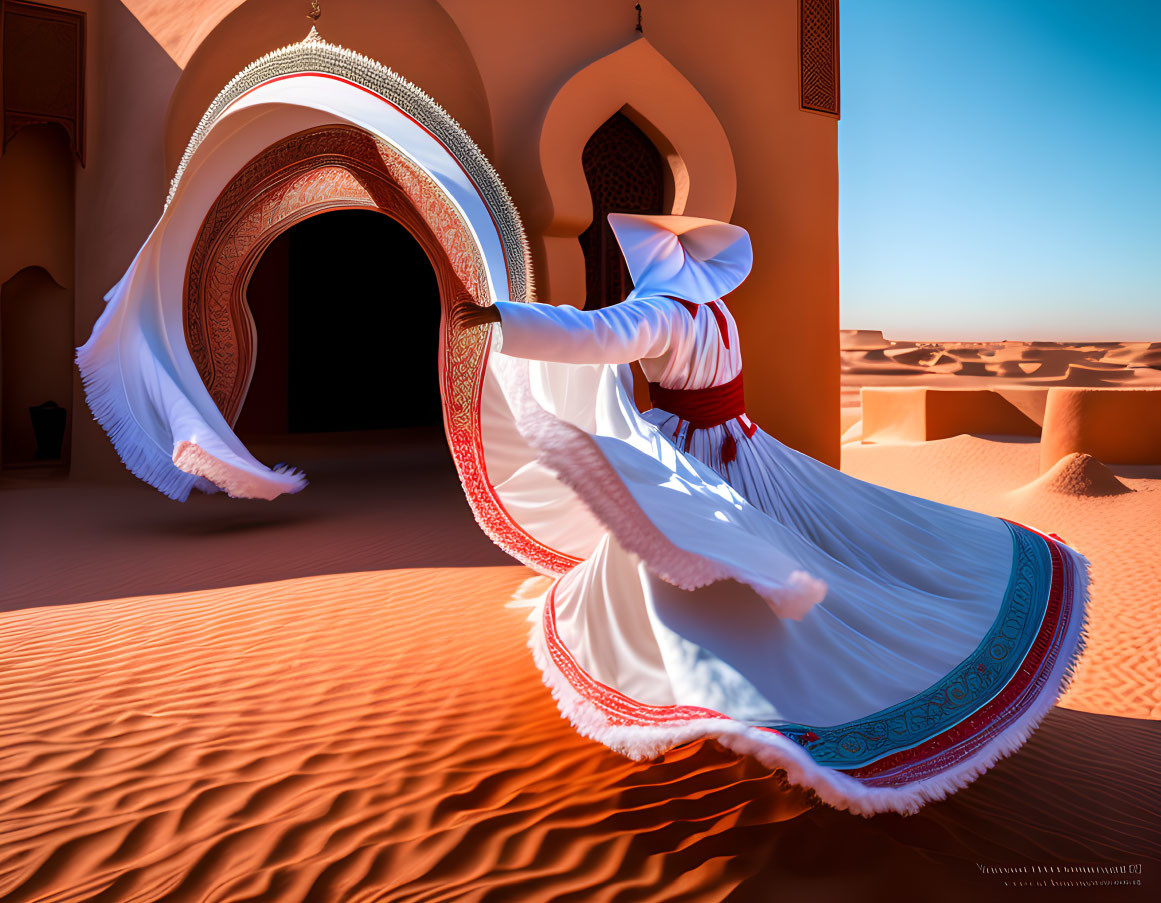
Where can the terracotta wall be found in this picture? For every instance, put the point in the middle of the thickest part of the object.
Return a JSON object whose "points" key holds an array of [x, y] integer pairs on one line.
{"points": [[36, 213], [154, 65]]}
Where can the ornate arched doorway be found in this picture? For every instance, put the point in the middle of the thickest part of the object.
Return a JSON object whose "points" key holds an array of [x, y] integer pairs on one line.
{"points": [[35, 327], [309, 173]]}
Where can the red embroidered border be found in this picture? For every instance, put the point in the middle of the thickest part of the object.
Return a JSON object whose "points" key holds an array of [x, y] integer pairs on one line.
{"points": [[616, 706], [463, 362]]}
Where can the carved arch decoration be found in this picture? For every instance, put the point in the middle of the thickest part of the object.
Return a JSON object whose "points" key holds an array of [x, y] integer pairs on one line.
{"points": [[641, 83], [313, 55], [322, 169]]}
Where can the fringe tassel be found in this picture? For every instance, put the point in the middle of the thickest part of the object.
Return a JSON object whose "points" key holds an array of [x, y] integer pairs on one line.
{"points": [[529, 591], [238, 483], [138, 452], [173, 474], [729, 449]]}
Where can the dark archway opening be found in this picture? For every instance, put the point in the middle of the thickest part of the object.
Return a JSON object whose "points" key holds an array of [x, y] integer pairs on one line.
{"points": [[347, 311], [626, 174]]}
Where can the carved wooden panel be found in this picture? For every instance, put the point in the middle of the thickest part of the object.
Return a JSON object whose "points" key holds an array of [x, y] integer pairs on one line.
{"points": [[625, 174], [44, 70], [818, 37]]}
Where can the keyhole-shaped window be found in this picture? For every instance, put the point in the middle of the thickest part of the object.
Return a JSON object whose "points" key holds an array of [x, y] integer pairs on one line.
{"points": [[626, 174]]}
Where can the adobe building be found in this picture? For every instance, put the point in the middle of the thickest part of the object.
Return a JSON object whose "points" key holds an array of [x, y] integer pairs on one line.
{"points": [[722, 111]]}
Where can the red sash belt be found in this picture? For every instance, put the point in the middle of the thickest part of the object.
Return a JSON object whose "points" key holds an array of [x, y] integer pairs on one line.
{"points": [[704, 408]]}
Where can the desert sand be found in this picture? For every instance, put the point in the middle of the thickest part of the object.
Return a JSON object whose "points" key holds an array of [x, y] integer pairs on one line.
{"points": [[329, 698]]}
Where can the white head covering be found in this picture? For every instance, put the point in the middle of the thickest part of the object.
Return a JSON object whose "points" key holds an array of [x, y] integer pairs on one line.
{"points": [[693, 258]]}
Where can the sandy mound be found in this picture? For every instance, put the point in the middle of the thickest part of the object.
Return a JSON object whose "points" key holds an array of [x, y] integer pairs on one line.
{"points": [[910, 356], [1079, 475], [1089, 375], [1010, 368]]}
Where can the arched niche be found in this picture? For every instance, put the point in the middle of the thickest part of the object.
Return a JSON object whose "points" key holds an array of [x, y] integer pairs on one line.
{"points": [[37, 203], [36, 333], [639, 82]]}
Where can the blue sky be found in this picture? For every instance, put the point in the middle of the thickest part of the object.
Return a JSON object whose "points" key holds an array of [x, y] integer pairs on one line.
{"points": [[1000, 169]]}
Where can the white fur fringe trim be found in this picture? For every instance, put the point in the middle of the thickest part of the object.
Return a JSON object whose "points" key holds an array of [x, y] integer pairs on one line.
{"points": [[189, 466], [238, 483], [106, 398]]}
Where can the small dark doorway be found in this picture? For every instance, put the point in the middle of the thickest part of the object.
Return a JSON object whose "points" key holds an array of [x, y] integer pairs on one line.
{"points": [[626, 174], [347, 310]]}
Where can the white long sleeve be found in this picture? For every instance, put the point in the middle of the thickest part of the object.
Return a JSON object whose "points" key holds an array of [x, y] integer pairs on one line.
{"points": [[626, 332]]}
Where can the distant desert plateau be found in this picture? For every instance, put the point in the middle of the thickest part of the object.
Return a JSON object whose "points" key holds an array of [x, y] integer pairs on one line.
{"points": [[869, 359]]}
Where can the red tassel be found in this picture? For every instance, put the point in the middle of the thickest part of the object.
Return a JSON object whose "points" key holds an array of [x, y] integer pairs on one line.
{"points": [[729, 449]]}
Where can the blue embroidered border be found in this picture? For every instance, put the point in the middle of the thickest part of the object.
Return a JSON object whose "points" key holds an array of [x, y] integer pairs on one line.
{"points": [[965, 689]]}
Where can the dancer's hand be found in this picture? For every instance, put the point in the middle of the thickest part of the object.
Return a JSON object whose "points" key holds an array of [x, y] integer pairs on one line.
{"points": [[467, 314]]}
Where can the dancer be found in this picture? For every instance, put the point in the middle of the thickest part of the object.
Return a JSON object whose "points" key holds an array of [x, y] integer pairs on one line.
{"points": [[881, 648], [709, 582]]}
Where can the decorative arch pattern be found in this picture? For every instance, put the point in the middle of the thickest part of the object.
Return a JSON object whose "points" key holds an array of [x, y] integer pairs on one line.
{"points": [[333, 168], [314, 56], [329, 168]]}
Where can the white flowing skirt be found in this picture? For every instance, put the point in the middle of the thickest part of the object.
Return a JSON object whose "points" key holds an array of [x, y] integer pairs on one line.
{"points": [[940, 639]]}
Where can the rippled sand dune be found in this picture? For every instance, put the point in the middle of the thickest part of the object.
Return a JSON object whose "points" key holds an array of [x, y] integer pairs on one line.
{"points": [[331, 699]]}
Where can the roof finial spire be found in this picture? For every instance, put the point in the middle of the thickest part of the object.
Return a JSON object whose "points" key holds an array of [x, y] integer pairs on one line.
{"points": [[313, 14], [639, 28]]}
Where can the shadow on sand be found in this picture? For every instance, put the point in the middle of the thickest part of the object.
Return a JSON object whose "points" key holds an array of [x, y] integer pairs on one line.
{"points": [[376, 501]]}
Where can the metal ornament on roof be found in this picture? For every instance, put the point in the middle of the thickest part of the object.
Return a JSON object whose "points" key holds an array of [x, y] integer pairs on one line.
{"points": [[314, 55]]}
